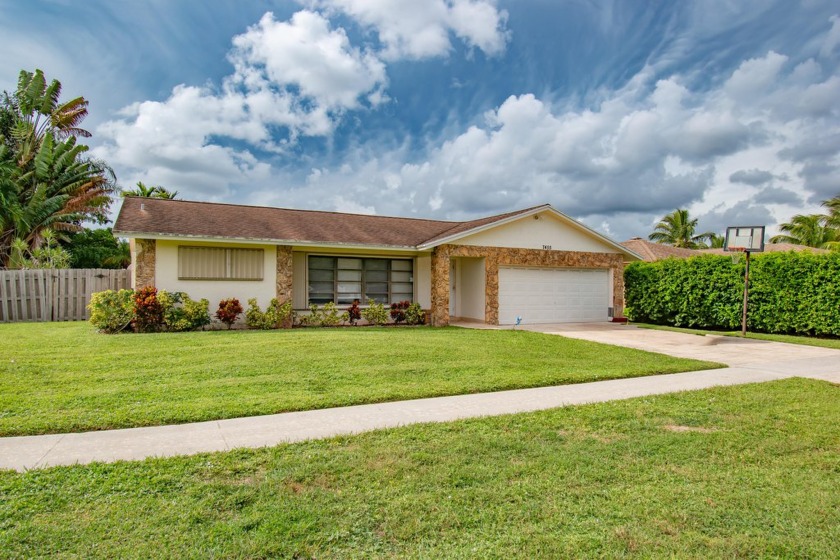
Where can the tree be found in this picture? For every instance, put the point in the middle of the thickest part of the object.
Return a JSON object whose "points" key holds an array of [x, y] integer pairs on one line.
{"points": [[150, 192], [677, 229], [46, 179], [716, 241], [833, 221], [97, 248], [812, 230], [48, 255]]}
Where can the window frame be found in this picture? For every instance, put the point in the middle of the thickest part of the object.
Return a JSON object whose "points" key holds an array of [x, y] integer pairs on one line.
{"points": [[229, 265], [363, 282]]}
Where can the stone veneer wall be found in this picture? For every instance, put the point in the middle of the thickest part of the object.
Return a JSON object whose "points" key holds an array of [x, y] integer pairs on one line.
{"points": [[144, 263], [285, 269], [494, 257]]}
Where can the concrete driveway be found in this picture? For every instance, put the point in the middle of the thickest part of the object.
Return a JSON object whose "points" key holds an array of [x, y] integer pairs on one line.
{"points": [[797, 359]]}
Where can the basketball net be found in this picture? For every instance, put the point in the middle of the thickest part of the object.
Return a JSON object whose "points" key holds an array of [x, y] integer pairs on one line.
{"points": [[736, 253]]}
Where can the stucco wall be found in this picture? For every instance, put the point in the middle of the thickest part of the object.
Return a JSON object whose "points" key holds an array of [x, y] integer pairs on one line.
{"points": [[216, 290], [471, 293], [423, 280], [503, 256], [531, 233]]}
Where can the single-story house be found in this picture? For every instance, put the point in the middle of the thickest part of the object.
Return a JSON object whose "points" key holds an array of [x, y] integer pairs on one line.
{"points": [[536, 263], [651, 252]]}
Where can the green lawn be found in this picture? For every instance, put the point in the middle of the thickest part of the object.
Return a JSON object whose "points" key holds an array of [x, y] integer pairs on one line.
{"points": [[60, 377], [736, 472], [790, 339]]}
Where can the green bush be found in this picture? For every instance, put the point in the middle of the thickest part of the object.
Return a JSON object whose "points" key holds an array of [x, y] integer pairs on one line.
{"points": [[180, 313], [790, 293], [111, 311], [375, 313], [274, 316], [414, 315]]}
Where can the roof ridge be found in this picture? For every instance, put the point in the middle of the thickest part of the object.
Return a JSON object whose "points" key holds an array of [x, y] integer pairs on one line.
{"points": [[207, 202]]}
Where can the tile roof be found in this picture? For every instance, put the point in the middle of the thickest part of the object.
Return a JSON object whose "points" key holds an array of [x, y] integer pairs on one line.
{"points": [[771, 248], [181, 218], [656, 251]]}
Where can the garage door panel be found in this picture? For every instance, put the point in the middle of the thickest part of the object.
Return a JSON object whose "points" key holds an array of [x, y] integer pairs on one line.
{"points": [[552, 295]]}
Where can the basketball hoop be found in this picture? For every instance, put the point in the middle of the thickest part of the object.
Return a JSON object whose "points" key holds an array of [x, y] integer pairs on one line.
{"points": [[736, 253]]}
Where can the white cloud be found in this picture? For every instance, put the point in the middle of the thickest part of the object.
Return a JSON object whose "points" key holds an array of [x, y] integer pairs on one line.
{"points": [[421, 29]]}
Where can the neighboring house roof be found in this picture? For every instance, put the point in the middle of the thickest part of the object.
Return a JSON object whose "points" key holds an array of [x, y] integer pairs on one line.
{"points": [[770, 248], [651, 252], [154, 217]]}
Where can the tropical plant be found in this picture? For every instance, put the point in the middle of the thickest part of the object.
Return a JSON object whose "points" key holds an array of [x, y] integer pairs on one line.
{"points": [[229, 310], [813, 230], [678, 229], [398, 310], [414, 314], [180, 313], [148, 311], [716, 241], [48, 255], [375, 313], [111, 311], [46, 179], [155, 191], [354, 313], [275, 316]]}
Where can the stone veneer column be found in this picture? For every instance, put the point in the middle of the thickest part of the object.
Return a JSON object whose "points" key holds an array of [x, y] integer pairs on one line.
{"points": [[144, 263], [618, 289], [440, 286], [285, 268], [491, 288]]}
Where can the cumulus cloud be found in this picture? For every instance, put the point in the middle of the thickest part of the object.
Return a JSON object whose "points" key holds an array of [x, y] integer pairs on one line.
{"points": [[298, 76], [416, 30]]}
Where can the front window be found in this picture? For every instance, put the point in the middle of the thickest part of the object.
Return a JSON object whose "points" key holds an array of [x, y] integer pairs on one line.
{"points": [[342, 280]]}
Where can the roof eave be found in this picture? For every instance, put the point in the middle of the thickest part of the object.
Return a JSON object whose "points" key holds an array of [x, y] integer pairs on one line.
{"points": [[263, 241]]}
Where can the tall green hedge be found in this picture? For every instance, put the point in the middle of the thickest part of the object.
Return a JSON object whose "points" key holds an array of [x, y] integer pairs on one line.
{"points": [[790, 293]]}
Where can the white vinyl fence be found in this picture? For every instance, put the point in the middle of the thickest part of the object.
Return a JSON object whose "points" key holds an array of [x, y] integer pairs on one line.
{"points": [[54, 295]]}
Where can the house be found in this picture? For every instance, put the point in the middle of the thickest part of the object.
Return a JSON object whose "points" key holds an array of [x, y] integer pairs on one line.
{"points": [[651, 252], [536, 263]]}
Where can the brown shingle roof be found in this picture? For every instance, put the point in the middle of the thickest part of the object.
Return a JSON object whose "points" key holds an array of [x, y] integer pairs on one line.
{"points": [[771, 248], [181, 218], [656, 251]]}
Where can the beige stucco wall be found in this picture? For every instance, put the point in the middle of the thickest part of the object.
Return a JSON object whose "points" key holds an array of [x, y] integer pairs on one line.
{"points": [[216, 290], [530, 233], [470, 297], [423, 280]]}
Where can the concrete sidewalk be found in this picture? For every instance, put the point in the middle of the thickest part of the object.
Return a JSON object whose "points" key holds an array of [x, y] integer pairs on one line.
{"points": [[770, 362]]}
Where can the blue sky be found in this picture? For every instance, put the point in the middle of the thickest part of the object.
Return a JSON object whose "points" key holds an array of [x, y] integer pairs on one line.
{"points": [[614, 112]]}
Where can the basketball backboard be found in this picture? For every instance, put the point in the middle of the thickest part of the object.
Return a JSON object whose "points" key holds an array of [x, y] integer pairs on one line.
{"points": [[744, 238]]}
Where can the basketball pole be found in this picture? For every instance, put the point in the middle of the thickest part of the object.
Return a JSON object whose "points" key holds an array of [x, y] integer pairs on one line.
{"points": [[746, 292]]}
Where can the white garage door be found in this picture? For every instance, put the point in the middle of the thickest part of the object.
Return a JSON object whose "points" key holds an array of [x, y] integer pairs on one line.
{"points": [[553, 295]]}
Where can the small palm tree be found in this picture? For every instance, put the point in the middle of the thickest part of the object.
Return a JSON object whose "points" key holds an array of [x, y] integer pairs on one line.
{"points": [[155, 191], [677, 229], [812, 230]]}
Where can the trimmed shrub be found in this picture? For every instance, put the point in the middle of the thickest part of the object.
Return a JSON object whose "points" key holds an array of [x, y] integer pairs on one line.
{"points": [[398, 310], [375, 313], [148, 312], [790, 293], [111, 311], [180, 313], [354, 313], [229, 310], [414, 314], [274, 316]]}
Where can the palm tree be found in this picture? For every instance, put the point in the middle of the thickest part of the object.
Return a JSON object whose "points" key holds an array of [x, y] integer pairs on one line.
{"points": [[677, 229], [812, 231], [150, 192], [716, 241]]}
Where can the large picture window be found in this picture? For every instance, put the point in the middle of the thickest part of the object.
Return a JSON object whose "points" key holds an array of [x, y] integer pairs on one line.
{"points": [[219, 263], [342, 280]]}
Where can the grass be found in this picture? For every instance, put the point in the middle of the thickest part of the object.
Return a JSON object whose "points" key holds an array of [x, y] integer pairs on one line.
{"points": [[736, 472], [790, 339], [63, 377]]}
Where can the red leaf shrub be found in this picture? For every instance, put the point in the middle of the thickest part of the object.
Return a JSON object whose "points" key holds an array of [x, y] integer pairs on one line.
{"points": [[229, 310], [148, 312]]}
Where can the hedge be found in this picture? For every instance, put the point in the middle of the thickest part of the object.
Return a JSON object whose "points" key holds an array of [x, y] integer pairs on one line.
{"points": [[790, 293]]}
